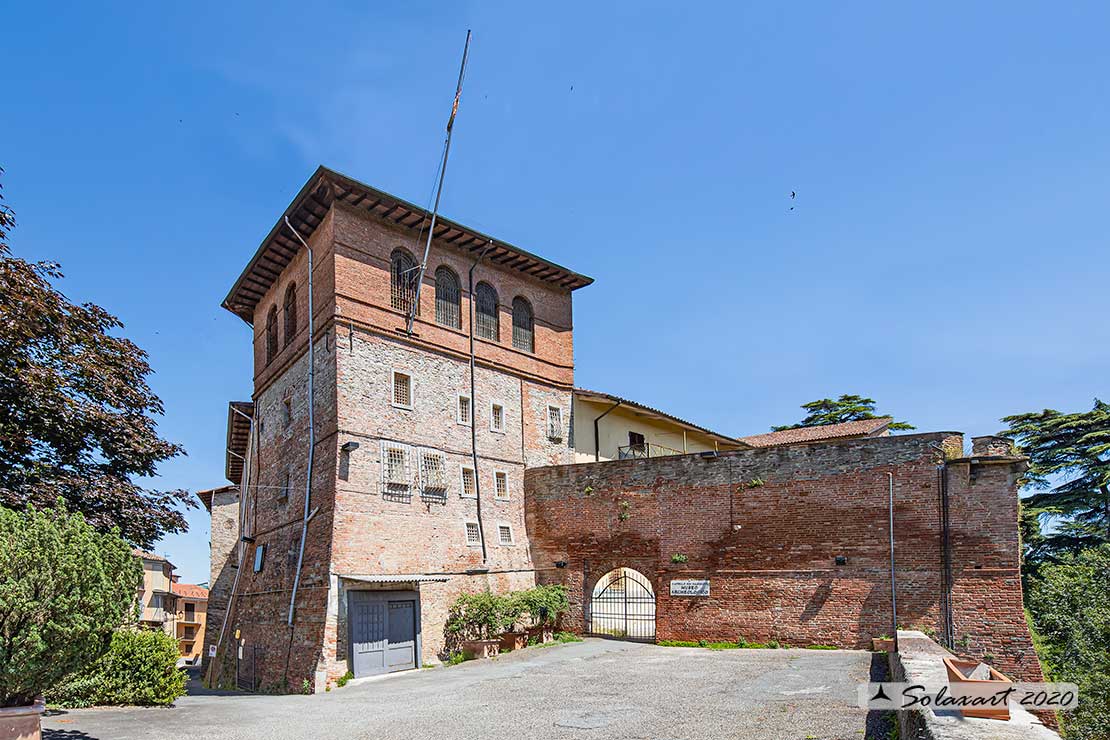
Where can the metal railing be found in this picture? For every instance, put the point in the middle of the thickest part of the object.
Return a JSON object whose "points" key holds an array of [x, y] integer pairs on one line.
{"points": [[647, 449]]}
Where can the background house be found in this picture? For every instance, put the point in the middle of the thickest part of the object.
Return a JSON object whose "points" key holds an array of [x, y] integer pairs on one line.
{"points": [[190, 620], [159, 605]]}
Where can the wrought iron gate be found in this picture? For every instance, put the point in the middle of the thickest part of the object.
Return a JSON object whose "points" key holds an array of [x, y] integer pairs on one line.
{"points": [[246, 667], [623, 606]]}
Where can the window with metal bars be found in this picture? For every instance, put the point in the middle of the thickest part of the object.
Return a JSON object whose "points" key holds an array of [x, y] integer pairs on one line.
{"points": [[396, 469], [554, 423], [462, 415], [504, 534], [501, 484], [497, 418], [271, 334], [486, 323], [448, 293], [523, 325], [402, 280], [402, 390], [473, 534], [467, 487], [433, 472], [290, 313]]}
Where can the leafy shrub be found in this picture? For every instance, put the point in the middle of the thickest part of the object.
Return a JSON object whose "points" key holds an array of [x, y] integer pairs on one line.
{"points": [[64, 589], [140, 667], [342, 680], [480, 616], [545, 604]]}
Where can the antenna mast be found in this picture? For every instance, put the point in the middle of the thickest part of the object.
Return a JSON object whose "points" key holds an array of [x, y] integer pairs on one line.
{"points": [[439, 190]]}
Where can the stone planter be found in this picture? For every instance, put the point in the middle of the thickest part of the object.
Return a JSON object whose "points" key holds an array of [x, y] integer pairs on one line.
{"points": [[543, 633], [481, 648], [882, 644], [964, 681], [514, 640], [21, 723]]}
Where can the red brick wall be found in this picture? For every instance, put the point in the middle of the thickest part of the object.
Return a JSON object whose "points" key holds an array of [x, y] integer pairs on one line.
{"points": [[769, 549]]}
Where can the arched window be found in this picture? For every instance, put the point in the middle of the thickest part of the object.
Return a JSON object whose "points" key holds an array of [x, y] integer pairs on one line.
{"points": [[290, 313], [402, 279], [485, 306], [447, 297], [523, 334], [271, 335]]}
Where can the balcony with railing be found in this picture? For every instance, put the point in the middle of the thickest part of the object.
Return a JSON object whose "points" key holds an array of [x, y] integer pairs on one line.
{"points": [[645, 449]]}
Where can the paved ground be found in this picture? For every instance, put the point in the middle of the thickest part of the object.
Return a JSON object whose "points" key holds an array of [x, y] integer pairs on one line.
{"points": [[592, 689]]}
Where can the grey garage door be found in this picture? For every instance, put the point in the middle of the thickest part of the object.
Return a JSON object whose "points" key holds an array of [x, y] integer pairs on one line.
{"points": [[383, 631]]}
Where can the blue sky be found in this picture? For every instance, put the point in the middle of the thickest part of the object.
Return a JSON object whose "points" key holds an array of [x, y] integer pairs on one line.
{"points": [[946, 253]]}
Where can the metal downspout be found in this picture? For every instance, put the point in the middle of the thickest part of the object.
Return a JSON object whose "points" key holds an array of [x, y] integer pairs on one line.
{"points": [[474, 406], [893, 586]]}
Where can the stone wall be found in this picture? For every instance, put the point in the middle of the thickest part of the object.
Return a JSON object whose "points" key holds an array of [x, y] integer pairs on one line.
{"points": [[224, 534], [794, 541]]}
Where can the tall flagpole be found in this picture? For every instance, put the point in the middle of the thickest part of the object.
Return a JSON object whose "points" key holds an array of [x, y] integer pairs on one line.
{"points": [[439, 189]]}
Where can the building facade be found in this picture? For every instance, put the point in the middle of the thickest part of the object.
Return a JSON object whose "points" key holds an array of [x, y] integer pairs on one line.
{"points": [[158, 603], [190, 620]]}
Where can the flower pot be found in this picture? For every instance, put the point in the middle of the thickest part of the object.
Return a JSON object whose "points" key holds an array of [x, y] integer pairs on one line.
{"points": [[543, 633], [481, 648], [514, 640], [882, 644], [21, 723], [961, 684]]}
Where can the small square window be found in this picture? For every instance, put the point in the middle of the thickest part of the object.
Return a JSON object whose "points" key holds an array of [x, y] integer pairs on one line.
{"points": [[497, 418], [473, 534], [462, 416], [259, 556], [504, 534], [554, 423], [501, 484], [402, 390], [467, 489]]}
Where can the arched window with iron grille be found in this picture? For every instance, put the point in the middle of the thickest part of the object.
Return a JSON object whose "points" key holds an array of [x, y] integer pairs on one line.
{"points": [[402, 280], [523, 325], [290, 313], [485, 307], [271, 335], [447, 297]]}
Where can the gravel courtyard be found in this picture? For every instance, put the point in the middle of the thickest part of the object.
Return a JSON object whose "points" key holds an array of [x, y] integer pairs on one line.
{"points": [[592, 689]]}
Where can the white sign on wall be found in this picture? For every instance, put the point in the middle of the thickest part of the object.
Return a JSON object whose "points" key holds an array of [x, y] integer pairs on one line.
{"points": [[690, 587], [211, 651]]}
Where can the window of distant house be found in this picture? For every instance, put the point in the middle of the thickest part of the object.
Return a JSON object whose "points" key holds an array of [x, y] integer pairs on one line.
{"points": [[290, 313], [554, 423], [523, 324], [402, 390], [505, 534], [402, 280], [496, 418], [462, 416], [271, 334], [190, 614], [501, 484], [466, 489], [473, 534], [485, 308], [448, 310]]}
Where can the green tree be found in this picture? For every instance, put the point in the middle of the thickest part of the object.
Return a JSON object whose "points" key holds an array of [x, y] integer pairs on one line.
{"points": [[846, 408], [140, 667], [1074, 449], [64, 588], [1069, 605], [75, 408]]}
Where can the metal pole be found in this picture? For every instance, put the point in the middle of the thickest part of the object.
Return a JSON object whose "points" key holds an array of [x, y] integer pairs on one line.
{"points": [[893, 588], [311, 428], [439, 189]]}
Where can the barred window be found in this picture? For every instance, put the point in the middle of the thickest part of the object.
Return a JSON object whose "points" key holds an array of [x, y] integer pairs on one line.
{"points": [[501, 484], [271, 335], [447, 297], [402, 390], [485, 306], [473, 534], [397, 474], [505, 534], [497, 418], [290, 313], [523, 325], [286, 484], [554, 423], [433, 471], [466, 490], [463, 414], [402, 279]]}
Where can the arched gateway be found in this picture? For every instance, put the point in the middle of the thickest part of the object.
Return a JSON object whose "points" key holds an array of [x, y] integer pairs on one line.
{"points": [[622, 605]]}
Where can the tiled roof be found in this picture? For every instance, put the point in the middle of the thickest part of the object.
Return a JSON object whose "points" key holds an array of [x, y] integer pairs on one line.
{"points": [[190, 590], [148, 556], [803, 435], [589, 395]]}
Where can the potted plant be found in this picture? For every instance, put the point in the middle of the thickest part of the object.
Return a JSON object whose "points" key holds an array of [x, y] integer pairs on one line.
{"points": [[64, 589], [478, 620], [971, 679], [883, 644], [545, 605], [514, 605]]}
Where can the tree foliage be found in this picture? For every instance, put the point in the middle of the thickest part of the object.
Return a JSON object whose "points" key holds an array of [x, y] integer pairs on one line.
{"points": [[1074, 448], [64, 588], [848, 407], [1069, 606], [140, 667], [75, 408]]}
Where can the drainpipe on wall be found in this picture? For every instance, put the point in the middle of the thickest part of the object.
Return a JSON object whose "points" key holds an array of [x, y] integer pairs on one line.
{"points": [[474, 406], [893, 587], [597, 434]]}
